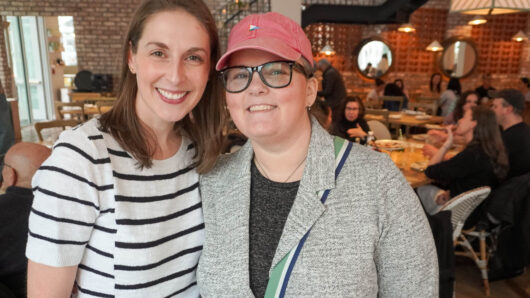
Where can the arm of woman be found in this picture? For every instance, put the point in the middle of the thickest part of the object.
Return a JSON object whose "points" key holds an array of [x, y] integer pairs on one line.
{"points": [[405, 254], [46, 281], [63, 214], [439, 155]]}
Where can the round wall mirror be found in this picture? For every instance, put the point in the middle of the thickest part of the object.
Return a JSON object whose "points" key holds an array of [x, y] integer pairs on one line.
{"points": [[374, 58], [459, 57]]}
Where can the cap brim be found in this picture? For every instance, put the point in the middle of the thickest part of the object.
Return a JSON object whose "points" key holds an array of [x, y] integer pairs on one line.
{"points": [[269, 45]]}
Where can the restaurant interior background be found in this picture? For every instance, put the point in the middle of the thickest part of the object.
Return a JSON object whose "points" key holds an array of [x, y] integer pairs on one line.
{"points": [[100, 24]]}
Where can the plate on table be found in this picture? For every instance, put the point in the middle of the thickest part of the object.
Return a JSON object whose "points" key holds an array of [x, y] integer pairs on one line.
{"points": [[420, 137], [394, 116], [423, 117], [412, 112], [419, 166], [434, 126], [390, 145]]}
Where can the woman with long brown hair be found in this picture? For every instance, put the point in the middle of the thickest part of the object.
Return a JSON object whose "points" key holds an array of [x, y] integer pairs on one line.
{"points": [[117, 210], [483, 162]]}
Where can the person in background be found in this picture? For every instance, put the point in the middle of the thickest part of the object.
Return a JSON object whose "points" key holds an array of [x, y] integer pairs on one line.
{"points": [[401, 85], [7, 134], [483, 89], [468, 100], [117, 209], [382, 66], [483, 162], [392, 89], [508, 105], [350, 124], [369, 70], [449, 97], [19, 165], [372, 99], [525, 89], [322, 112], [333, 89], [435, 84]]}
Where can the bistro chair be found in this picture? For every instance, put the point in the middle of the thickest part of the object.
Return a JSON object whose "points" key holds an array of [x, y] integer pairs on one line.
{"points": [[398, 99], [427, 107], [461, 207], [74, 109], [59, 124], [380, 131]]}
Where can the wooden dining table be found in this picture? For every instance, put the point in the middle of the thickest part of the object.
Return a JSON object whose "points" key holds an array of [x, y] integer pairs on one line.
{"points": [[401, 118]]}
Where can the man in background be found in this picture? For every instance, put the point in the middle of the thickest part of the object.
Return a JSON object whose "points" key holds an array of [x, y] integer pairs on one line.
{"points": [[20, 164], [333, 89], [508, 105], [483, 89]]}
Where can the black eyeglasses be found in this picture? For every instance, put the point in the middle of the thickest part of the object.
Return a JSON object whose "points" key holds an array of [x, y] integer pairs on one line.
{"points": [[2, 164], [275, 74]]}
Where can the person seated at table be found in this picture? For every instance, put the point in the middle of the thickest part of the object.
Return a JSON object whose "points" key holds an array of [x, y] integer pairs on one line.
{"points": [[392, 89], [372, 99], [449, 97], [468, 100], [483, 162], [435, 85], [401, 85], [20, 164], [486, 86], [350, 123]]}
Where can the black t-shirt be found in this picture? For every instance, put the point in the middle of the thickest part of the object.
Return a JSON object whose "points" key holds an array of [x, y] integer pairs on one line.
{"points": [[469, 169], [270, 204], [517, 142]]}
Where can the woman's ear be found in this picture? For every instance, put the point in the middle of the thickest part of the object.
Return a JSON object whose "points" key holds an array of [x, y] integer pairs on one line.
{"points": [[311, 91], [131, 61]]}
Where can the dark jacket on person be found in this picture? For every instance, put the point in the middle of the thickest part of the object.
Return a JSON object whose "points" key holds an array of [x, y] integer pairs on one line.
{"points": [[517, 142], [467, 170], [333, 89], [510, 204], [7, 135], [340, 129], [15, 206]]}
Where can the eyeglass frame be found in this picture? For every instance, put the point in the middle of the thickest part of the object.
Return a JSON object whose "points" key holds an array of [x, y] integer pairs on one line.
{"points": [[2, 165], [252, 69]]}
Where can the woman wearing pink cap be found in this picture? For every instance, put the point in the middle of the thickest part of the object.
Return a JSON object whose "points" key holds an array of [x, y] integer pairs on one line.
{"points": [[296, 212]]}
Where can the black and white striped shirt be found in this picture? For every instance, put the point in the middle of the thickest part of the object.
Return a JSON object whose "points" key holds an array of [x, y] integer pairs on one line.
{"points": [[132, 232]]}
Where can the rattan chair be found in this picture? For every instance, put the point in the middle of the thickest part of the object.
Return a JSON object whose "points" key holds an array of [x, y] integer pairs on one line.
{"points": [[461, 207], [39, 126]]}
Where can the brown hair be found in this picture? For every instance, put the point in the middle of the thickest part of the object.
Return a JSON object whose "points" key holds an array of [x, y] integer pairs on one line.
{"points": [[459, 108], [205, 122], [486, 134]]}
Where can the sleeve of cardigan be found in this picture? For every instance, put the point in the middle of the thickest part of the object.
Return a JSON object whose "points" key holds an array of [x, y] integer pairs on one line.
{"points": [[405, 256]]}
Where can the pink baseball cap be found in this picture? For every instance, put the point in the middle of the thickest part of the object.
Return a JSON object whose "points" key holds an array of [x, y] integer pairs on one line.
{"points": [[270, 32]]}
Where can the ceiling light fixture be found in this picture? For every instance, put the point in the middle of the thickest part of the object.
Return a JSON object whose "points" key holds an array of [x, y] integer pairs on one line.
{"points": [[327, 50], [520, 36], [434, 46], [477, 20], [488, 7], [407, 28]]}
